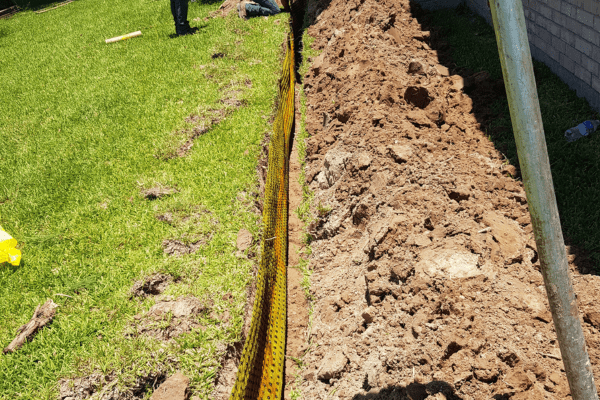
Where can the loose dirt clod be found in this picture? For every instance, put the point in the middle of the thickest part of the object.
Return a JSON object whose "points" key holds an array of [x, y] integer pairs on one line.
{"points": [[152, 285], [178, 248], [158, 192], [168, 319], [174, 388], [42, 316], [244, 241]]}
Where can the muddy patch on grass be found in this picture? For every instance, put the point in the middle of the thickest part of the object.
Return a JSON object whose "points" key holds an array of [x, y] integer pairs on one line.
{"points": [[151, 286], [169, 318], [104, 387]]}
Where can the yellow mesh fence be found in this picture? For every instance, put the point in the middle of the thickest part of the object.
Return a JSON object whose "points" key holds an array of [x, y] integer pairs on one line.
{"points": [[260, 373]]}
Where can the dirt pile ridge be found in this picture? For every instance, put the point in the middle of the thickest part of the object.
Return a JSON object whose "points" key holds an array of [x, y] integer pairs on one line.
{"points": [[426, 276]]}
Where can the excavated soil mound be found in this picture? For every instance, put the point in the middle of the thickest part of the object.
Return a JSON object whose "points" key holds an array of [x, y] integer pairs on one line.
{"points": [[426, 275]]}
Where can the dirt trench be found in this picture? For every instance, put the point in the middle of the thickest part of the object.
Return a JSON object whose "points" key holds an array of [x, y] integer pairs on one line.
{"points": [[425, 270]]}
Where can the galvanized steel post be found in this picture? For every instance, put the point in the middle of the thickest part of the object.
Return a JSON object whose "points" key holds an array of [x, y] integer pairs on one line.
{"points": [[517, 68]]}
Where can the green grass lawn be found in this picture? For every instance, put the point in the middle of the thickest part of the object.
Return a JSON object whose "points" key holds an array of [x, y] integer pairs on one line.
{"points": [[575, 166], [81, 125]]}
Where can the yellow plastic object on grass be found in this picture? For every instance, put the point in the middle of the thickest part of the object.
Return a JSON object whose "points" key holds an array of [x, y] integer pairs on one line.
{"points": [[8, 253]]}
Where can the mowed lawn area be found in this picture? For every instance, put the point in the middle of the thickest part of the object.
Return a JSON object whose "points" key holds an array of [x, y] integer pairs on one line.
{"points": [[86, 128]]}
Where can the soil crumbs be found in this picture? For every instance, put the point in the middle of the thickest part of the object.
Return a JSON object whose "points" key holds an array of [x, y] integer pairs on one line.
{"points": [[426, 278]]}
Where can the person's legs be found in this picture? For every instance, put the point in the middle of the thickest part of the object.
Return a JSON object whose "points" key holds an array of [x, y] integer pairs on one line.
{"points": [[270, 4], [179, 9], [262, 8]]}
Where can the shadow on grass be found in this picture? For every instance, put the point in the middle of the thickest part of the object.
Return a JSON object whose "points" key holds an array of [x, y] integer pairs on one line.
{"points": [[466, 44], [34, 5], [3, 32]]}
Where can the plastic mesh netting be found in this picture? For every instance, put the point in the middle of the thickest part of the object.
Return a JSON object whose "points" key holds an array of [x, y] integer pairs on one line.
{"points": [[260, 373]]}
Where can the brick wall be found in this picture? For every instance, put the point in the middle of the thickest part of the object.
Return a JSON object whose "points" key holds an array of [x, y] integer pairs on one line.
{"points": [[563, 34]]}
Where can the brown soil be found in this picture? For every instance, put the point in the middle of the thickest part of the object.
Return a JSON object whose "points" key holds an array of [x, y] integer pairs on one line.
{"points": [[297, 304], [426, 276]]}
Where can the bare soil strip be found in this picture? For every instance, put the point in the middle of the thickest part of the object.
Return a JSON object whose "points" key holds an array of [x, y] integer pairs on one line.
{"points": [[297, 304], [426, 275]]}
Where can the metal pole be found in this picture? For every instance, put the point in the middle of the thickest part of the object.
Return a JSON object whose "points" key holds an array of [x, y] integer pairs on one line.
{"points": [[517, 68]]}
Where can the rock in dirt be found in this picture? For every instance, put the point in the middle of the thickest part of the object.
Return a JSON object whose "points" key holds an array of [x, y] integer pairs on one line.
{"points": [[152, 285], [42, 316], [448, 263], [333, 364], [174, 388]]}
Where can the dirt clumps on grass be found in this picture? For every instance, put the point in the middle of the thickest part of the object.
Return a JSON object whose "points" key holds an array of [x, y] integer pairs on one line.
{"points": [[151, 286], [243, 242], [178, 248], [158, 192], [203, 121], [426, 277], [104, 387], [169, 318]]}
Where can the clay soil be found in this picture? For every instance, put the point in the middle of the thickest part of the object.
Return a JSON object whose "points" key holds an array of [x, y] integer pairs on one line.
{"points": [[426, 276]]}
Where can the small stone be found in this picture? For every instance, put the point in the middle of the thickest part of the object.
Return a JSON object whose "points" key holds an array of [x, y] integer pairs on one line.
{"points": [[174, 388], [415, 67]]}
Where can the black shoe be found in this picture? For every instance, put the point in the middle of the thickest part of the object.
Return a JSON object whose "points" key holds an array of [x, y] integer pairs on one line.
{"points": [[190, 31]]}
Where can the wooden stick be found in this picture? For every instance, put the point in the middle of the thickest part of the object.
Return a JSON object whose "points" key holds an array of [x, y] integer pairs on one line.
{"points": [[128, 36], [42, 315], [52, 8]]}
